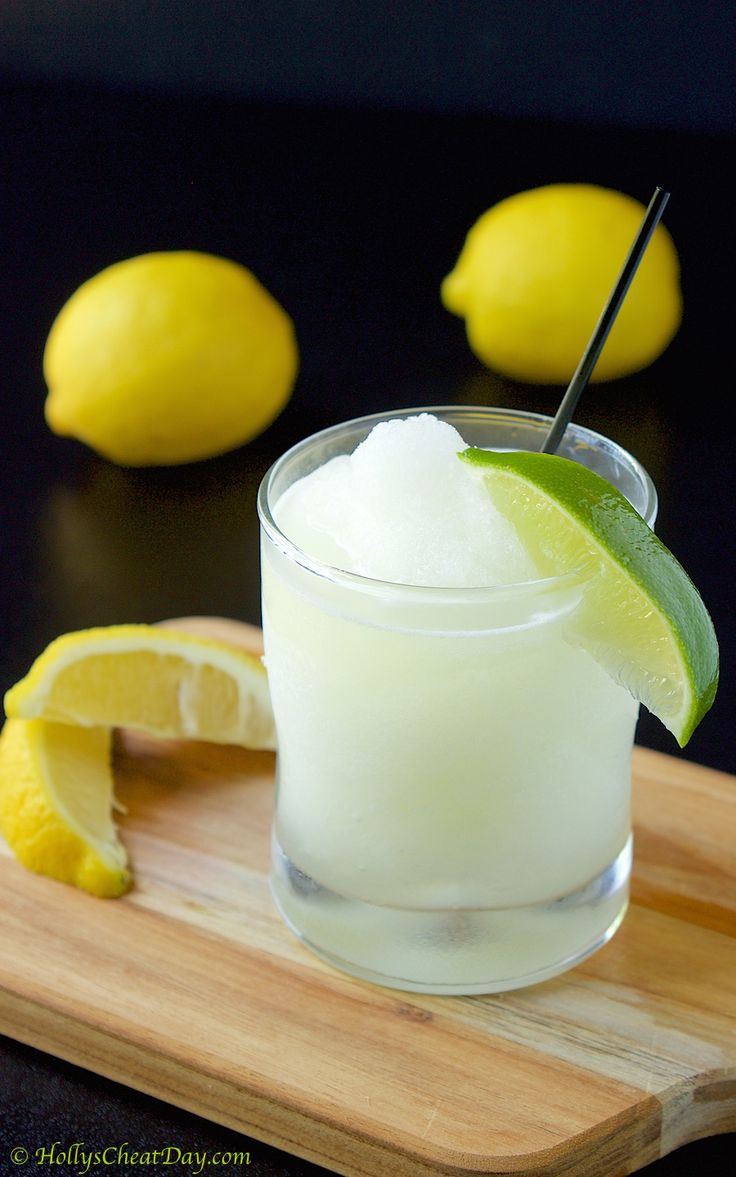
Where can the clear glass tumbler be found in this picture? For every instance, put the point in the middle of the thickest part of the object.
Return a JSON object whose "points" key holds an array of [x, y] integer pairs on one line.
{"points": [[453, 799]]}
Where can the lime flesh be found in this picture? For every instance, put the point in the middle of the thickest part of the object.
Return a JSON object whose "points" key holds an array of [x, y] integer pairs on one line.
{"points": [[641, 617]]}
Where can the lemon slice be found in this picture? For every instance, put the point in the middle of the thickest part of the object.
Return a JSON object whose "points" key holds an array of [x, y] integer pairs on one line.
{"points": [[56, 797], [641, 616], [163, 681]]}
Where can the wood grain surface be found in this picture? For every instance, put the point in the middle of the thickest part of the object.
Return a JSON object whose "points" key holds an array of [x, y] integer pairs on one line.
{"points": [[190, 989]]}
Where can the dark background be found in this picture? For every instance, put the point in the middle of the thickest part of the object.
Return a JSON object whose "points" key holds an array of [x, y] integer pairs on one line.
{"points": [[341, 151], [665, 64]]}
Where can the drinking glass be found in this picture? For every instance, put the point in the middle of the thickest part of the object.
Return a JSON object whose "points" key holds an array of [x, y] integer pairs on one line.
{"points": [[452, 811]]}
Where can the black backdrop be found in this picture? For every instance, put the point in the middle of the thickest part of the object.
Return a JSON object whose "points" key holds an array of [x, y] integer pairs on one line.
{"points": [[668, 63]]}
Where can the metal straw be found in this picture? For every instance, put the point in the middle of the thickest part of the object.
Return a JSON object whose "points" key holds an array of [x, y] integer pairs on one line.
{"points": [[603, 326]]}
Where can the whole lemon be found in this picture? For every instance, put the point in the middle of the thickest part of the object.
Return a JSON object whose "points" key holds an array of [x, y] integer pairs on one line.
{"points": [[168, 357], [536, 270]]}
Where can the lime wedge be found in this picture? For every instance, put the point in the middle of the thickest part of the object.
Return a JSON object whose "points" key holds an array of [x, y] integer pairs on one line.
{"points": [[641, 616]]}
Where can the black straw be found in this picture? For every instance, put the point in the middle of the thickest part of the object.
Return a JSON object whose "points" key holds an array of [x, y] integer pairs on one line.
{"points": [[603, 326]]}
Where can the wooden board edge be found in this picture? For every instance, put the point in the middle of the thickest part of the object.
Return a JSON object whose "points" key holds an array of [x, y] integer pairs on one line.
{"points": [[650, 762], [631, 1139]]}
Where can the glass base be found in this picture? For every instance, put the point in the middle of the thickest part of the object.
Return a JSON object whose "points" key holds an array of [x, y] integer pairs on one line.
{"points": [[453, 951]]}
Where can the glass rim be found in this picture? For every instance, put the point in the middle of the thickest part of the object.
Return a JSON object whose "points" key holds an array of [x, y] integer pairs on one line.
{"points": [[376, 586]]}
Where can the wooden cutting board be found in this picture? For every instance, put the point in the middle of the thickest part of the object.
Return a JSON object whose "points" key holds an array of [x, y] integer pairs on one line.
{"points": [[190, 989]]}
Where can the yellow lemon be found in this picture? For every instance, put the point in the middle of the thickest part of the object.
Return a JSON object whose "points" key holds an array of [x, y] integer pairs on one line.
{"points": [[535, 272], [200, 681], [170, 683], [168, 357], [56, 801]]}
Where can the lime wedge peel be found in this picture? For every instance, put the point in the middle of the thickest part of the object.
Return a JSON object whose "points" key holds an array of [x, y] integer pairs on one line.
{"points": [[641, 616]]}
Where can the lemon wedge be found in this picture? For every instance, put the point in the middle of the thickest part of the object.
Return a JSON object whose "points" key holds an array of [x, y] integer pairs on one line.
{"points": [[641, 617], [162, 681], [56, 799]]}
